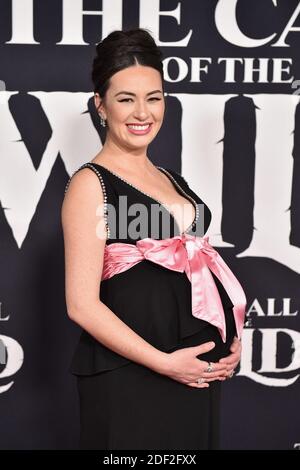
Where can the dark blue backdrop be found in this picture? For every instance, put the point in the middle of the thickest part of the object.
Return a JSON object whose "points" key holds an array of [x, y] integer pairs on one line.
{"points": [[229, 131]]}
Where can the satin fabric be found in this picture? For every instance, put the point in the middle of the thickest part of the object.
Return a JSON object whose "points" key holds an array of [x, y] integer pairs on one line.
{"points": [[196, 257]]}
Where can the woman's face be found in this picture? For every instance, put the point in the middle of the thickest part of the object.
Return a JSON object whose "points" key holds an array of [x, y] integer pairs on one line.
{"points": [[134, 106]]}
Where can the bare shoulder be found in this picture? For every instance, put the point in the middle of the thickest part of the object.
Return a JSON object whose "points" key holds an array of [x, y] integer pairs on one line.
{"points": [[83, 189], [83, 182], [83, 200]]}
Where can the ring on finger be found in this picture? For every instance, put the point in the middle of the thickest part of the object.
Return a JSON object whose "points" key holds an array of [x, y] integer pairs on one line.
{"points": [[200, 381], [231, 374], [209, 367]]}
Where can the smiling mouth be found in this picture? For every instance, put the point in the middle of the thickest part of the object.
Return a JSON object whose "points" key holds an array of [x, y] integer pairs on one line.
{"points": [[139, 127]]}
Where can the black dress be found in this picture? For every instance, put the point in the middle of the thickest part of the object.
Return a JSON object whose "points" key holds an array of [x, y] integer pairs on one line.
{"points": [[124, 405]]}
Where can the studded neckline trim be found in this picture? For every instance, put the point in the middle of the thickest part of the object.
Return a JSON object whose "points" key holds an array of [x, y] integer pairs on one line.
{"points": [[156, 200], [92, 166]]}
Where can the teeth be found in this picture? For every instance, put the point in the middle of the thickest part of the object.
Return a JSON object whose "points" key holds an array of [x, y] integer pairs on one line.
{"points": [[139, 128]]}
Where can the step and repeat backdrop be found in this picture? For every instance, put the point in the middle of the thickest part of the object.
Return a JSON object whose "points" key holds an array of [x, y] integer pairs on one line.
{"points": [[232, 129]]}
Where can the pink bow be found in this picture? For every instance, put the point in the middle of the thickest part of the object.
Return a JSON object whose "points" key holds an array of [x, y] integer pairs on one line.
{"points": [[196, 257]]}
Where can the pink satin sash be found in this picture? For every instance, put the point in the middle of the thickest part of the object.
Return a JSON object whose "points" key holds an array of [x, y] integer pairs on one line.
{"points": [[196, 257]]}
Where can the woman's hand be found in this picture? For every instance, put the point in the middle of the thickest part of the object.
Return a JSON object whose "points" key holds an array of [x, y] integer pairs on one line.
{"points": [[184, 366], [232, 360]]}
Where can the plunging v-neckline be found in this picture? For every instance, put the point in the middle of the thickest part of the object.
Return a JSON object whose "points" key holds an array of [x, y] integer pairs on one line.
{"points": [[175, 184]]}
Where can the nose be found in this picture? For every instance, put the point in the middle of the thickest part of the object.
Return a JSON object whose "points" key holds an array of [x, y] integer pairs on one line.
{"points": [[141, 111]]}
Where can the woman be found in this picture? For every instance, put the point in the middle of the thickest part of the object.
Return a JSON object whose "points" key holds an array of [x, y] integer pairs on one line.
{"points": [[160, 336]]}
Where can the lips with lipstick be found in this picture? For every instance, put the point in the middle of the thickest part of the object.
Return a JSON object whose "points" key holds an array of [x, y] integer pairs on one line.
{"points": [[139, 129]]}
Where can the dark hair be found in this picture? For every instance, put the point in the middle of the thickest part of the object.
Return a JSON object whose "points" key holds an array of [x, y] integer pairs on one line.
{"points": [[122, 49]]}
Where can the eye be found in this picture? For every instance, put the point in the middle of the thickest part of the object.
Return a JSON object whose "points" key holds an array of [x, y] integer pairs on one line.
{"points": [[126, 100]]}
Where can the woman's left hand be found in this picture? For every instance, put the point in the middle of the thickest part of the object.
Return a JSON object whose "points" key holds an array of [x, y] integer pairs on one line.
{"points": [[233, 359]]}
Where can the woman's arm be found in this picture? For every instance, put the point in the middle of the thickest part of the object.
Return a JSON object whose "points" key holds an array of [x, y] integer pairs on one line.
{"points": [[84, 240]]}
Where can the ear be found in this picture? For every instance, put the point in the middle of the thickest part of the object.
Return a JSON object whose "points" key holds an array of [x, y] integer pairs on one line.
{"points": [[99, 105]]}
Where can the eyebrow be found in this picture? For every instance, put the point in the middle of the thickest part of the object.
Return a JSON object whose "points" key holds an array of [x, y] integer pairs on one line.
{"points": [[133, 94]]}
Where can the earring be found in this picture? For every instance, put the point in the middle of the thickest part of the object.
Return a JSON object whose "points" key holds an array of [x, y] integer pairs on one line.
{"points": [[102, 121]]}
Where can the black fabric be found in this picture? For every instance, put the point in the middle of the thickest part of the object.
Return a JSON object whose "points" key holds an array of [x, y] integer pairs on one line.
{"points": [[135, 408], [124, 405]]}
